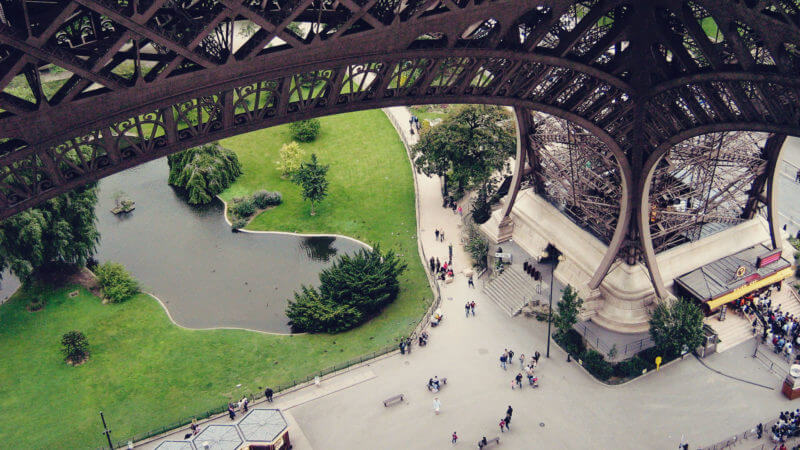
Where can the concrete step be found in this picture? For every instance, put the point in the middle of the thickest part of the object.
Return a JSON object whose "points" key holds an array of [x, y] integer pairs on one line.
{"points": [[511, 289]]}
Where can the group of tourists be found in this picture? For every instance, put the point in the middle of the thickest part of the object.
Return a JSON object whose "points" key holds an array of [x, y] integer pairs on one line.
{"points": [[405, 346], [413, 124], [783, 329], [469, 307], [787, 426], [434, 384], [442, 271], [242, 405]]}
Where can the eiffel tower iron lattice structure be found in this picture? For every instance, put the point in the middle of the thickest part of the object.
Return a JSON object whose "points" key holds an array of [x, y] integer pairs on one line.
{"points": [[647, 121]]}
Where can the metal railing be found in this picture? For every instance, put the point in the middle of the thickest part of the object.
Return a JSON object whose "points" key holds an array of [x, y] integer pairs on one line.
{"points": [[747, 437]]}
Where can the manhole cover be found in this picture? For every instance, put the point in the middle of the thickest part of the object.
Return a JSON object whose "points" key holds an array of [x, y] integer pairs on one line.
{"points": [[541, 424], [483, 351]]}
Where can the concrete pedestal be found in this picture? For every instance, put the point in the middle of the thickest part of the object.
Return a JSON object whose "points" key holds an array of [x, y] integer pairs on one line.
{"points": [[623, 301]]}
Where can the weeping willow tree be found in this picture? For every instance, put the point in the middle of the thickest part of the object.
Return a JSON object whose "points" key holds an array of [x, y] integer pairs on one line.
{"points": [[203, 171]]}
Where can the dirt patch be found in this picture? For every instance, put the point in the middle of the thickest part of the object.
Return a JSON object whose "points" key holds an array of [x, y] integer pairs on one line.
{"points": [[77, 363]]}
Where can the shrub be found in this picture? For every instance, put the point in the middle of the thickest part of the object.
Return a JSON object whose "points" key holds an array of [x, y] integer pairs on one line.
{"points": [[310, 312], [239, 223], [351, 291], [75, 347], [244, 208], [264, 199], [572, 342], [630, 368], [118, 285], [594, 362], [478, 247], [481, 208], [305, 130], [675, 324], [291, 156]]}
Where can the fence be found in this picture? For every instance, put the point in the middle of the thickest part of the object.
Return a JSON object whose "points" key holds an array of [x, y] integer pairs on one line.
{"points": [[748, 437], [283, 389], [629, 350]]}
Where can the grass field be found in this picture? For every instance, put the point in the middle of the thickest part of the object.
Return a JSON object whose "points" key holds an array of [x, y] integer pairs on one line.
{"points": [[145, 372]]}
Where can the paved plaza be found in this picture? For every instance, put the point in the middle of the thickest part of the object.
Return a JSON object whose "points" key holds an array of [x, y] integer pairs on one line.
{"points": [[700, 403]]}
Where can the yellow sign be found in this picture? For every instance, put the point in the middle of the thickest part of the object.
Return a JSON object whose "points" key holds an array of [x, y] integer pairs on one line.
{"points": [[747, 288], [740, 271], [658, 362]]}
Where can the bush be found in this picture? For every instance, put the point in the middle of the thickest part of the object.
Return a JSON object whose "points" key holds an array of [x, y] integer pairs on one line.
{"points": [[239, 223], [264, 199], [244, 208], [305, 130], [291, 156], [594, 362], [675, 325], [630, 368], [75, 347], [572, 342], [118, 285], [481, 208], [478, 247], [351, 291]]}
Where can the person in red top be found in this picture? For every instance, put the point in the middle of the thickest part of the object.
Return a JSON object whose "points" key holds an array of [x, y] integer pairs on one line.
{"points": [[455, 437]]}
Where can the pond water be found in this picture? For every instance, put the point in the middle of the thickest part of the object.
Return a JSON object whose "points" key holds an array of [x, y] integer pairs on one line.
{"points": [[188, 257]]}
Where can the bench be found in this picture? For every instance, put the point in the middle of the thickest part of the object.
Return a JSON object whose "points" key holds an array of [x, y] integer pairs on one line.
{"points": [[493, 441], [393, 399]]}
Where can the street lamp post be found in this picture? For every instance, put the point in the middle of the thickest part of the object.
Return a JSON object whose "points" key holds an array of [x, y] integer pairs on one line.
{"points": [[550, 310]]}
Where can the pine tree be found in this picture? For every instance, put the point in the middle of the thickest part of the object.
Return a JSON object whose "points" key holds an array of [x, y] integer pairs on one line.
{"points": [[311, 177]]}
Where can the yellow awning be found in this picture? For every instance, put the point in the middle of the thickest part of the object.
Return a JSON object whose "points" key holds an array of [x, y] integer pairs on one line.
{"points": [[741, 291]]}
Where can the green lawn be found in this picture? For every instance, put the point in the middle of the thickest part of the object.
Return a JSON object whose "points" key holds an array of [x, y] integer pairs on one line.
{"points": [[145, 372]]}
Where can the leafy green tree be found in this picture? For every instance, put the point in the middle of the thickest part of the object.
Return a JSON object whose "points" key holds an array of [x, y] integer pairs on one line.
{"points": [[478, 247], [569, 307], [311, 177], [305, 130], [291, 157], [351, 291], [117, 283], [203, 171], [75, 347], [675, 324], [60, 230], [469, 145]]}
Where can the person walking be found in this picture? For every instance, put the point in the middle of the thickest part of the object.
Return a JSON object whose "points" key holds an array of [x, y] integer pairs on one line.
{"points": [[503, 359], [509, 411], [466, 309], [195, 428], [438, 265], [470, 283], [472, 307], [536, 356], [231, 412], [455, 438], [402, 347], [460, 211], [437, 405], [441, 236], [508, 422], [408, 345], [432, 264], [522, 361], [511, 356], [502, 425], [450, 253], [518, 379], [268, 394], [437, 234]]}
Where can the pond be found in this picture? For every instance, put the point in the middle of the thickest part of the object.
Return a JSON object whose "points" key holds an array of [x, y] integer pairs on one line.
{"points": [[187, 256]]}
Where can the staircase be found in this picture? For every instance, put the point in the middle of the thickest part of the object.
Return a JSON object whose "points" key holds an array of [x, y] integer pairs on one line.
{"points": [[512, 289], [734, 330]]}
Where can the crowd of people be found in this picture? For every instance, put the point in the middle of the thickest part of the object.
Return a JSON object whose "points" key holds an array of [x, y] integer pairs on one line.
{"points": [[787, 426], [782, 328]]}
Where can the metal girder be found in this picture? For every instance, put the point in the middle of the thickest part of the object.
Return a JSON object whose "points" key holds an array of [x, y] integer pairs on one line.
{"points": [[636, 78]]}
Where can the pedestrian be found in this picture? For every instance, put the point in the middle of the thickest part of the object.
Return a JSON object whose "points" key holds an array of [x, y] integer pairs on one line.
{"points": [[268, 394], [450, 253], [438, 265], [455, 438], [472, 307], [441, 236], [466, 308], [231, 412], [518, 378], [509, 411], [460, 211], [470, 283], [243, 404], [503, 359], [408, 345], [195, 428], [436, 405], [502, 425], [521, 361], [402, 347], [511, 356], [508, 421], [483, 443], [536, 356], [432, 264], [513, 383], [437, 234]]}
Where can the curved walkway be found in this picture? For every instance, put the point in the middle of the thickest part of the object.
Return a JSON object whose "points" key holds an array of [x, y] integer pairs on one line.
{"points": [[569, 410]]}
